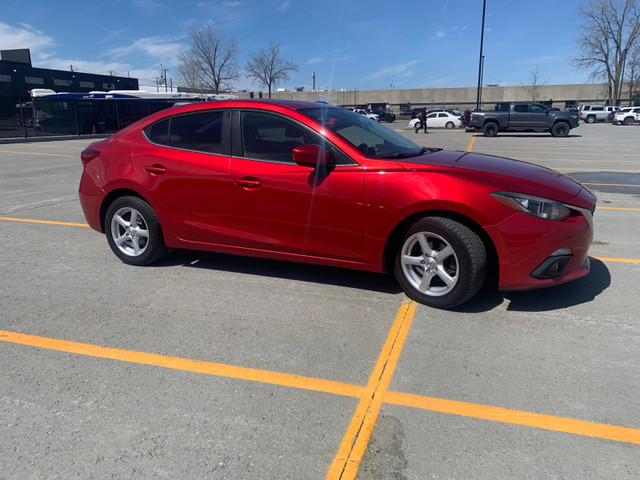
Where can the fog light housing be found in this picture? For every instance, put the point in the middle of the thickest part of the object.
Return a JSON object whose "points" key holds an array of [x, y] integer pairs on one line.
{"points": [[554, 265]]}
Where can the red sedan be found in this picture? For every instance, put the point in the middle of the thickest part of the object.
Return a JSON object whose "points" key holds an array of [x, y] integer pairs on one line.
{"points": [[308, 182]]}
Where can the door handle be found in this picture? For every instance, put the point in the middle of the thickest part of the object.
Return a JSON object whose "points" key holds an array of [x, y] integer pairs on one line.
{"points": [[250, 183], [155, 169]]}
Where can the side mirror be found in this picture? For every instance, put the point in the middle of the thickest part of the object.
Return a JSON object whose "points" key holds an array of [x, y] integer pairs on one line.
{"points": [[313, 156]]}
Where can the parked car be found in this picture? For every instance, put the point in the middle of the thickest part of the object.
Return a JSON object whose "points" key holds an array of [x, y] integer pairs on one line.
{"points": [[595, 113], [367, 113], [440, 119], [385, 115], [627, 116], [522, 116], [313, 183]]}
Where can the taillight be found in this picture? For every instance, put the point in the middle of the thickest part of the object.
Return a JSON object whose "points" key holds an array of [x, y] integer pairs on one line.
{"points": [[87, 155]]}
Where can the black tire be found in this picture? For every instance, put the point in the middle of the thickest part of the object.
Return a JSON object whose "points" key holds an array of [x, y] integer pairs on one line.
{"points": [[450, 125], [560, 129], [490, 129], [133, 231], [441, 263], [590, 119], [628, 121]]}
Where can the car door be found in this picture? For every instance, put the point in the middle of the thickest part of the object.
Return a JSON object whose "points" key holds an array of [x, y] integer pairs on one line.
{"points": [[283, 207], [184, 164], [433, 120], [538, 116], [519, 116]]}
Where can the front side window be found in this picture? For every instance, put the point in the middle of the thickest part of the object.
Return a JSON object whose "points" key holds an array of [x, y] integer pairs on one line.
{"points": [[271, 137]]}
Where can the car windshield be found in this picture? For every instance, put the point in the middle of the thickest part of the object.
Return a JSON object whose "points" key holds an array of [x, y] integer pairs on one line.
{"points": [[367, 135]]}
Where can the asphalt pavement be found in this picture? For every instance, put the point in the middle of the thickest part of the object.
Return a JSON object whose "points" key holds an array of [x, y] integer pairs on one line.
{"points": [[208, 366]]}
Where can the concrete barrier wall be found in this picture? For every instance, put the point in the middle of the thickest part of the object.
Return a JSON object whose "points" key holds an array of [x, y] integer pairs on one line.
{"points": [[460, 98]]}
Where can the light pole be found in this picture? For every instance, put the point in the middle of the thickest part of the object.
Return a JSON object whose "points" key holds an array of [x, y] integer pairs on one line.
{"points": [[481, 60]]}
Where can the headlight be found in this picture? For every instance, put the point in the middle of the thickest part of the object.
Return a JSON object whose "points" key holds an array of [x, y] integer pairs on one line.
{"points": [[536, 206]]}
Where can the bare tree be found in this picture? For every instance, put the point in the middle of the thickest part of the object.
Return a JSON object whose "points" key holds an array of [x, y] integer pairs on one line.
{"points": [[210, 62], [611, 28], [536, 82], [632, 76], [268, 68]]}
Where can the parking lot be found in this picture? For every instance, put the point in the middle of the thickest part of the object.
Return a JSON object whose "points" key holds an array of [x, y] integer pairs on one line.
{"points": [[208, 366]]}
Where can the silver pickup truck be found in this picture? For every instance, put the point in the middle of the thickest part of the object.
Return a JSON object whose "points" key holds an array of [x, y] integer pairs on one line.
{"points": [[522, 117], [596, 113]]}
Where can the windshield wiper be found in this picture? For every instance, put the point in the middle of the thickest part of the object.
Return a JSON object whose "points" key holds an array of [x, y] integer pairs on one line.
{"points": [[422, 151]]}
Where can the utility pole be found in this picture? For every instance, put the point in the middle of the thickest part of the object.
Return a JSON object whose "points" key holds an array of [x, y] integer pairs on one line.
{"points": [[481, 60]]}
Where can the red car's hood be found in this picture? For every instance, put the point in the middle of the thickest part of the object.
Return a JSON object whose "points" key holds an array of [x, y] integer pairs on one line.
{"points": [[506, 173]]}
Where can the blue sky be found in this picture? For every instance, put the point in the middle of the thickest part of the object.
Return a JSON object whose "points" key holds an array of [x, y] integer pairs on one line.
{"points": [[348, 44]]}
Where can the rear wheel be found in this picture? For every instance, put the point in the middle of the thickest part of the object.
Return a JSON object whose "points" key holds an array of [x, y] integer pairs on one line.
{"points": [[490, 129], [628, 121], [133, 231], [441, 262], [590, 119], [450, 125]]}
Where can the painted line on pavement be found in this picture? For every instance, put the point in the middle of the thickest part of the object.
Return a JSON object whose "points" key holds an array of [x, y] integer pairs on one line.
{"points": [[497, 414], [347, 461]]}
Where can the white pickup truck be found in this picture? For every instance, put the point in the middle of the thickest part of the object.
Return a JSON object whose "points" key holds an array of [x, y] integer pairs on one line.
{"points": [[367, 113]]}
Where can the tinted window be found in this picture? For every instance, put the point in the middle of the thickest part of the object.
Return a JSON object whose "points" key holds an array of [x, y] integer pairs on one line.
{"points": [[159, 132], [521, 108], [597, 109], [538, 109], [201, 132], [270, 137]]}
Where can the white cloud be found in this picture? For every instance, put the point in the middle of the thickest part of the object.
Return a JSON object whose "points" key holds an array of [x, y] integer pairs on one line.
{"points": [[23, 36], [439, 34], [317, 60], [396, 71]]}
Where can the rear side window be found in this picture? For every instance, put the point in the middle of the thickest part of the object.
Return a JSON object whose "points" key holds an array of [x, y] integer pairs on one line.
{"points": [[158, 133], [200, 132], [521, 108]]}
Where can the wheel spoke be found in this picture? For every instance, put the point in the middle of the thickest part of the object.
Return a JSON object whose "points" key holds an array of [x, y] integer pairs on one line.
{"points": [[121, 240], [411, 260], [425, 283], [445, 277], [121, 221], [424, 244], [443, 254]]}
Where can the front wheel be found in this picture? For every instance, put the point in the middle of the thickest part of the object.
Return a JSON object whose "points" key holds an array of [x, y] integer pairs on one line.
{"points": [[133, 231], [441, 263], [560, 129]]}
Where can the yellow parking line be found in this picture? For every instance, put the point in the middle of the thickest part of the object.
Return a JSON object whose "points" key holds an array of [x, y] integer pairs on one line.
{"points": [[39, 153], [347, 462], [517, 417], [619, 208], [617, 260], [27, 220], [176, 363], [497, 414], [611, 184]]}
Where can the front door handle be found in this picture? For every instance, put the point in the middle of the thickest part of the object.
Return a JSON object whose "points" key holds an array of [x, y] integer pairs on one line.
{"points": [[250, 183], [155, 169]]}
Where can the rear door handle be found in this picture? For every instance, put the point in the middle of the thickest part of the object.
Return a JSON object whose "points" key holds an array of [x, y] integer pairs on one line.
{"points": [[155, 169], [250, 183]]}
